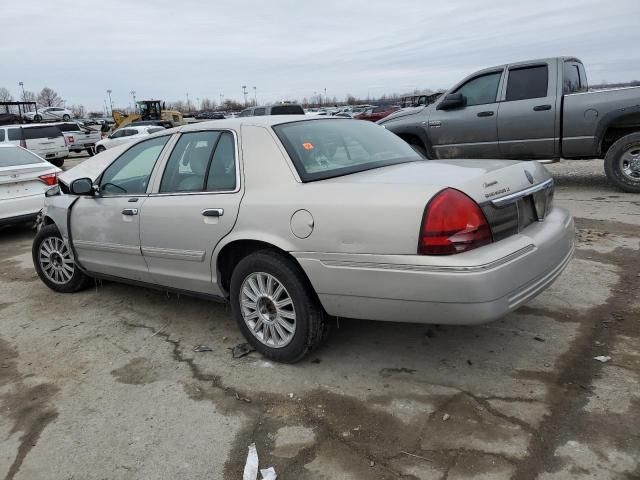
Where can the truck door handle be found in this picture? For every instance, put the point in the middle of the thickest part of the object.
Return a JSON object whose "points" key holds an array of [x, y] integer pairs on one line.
{"points": [[539, 108], [130, 211], [488, 113], [212, 212]]}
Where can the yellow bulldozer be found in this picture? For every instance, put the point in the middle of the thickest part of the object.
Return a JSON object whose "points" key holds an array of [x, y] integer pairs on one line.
{"points": [[149, 110]]}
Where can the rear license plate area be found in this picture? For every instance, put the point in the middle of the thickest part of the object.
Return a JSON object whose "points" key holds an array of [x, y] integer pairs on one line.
{"points": [[526, 212]]}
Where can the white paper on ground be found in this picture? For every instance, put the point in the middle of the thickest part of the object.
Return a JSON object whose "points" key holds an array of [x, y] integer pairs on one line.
{"points": [[251, 466], [268, 473]]}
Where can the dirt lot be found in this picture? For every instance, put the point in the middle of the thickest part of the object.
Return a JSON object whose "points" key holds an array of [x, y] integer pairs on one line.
{"points": [[105, 384]]}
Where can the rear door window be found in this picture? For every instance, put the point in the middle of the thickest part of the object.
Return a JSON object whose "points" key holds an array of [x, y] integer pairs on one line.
{"points": [[258, 112], [33, 133], [529, 82], [287, 110], [14, 134]]}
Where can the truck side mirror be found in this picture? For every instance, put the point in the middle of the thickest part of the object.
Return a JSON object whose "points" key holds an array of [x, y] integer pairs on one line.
{"points": [[82, 186], [451, 101]]}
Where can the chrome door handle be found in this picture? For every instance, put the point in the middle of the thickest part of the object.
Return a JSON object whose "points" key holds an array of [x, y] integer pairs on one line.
{"points": [[212, 212], [130, 211]]}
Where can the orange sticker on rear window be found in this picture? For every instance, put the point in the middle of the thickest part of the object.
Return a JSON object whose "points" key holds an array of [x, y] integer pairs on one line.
{"points": [[308, 146]]}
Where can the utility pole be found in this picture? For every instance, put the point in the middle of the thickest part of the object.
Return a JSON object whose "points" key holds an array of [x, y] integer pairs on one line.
{"points": [[110, 101], [188, 103], [325, 95], [221, 100], [255, 96], [244, 92], [22, 86]]}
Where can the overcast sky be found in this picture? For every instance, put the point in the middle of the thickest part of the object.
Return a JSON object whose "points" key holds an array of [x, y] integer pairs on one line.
{"points": [[290, 49]]}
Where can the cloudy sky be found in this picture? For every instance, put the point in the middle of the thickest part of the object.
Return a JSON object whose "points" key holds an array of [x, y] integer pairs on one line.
{"points": [[290, 49]]}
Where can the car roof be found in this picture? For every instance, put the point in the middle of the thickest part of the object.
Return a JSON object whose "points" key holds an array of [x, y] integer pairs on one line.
{"points": [[261, 121]]}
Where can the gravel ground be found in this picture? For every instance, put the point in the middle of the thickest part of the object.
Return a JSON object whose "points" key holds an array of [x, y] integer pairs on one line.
{"points": [[105, 384]]}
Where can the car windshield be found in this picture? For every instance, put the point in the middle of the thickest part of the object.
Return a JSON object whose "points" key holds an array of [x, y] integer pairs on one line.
{"points": [[15, 156], [323, 149]]}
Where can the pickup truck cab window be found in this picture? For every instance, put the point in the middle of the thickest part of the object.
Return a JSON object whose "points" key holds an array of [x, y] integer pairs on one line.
{"points": [[572, 81], [481, 90], [259, 112], [528, 82], [129, 173]]}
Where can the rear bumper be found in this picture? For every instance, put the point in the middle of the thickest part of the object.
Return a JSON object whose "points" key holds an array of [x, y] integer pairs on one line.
{"points": [[52, 155], [81, 147], [470, 288], [21, 209]]}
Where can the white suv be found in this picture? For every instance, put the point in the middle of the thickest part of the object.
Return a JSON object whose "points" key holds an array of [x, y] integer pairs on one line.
{"points": [[46, 141]]}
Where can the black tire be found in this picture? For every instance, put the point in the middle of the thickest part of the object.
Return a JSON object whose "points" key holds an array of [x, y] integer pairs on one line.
{"points": [[66, 117], [37, 118], [90, 151], [100, 149], [613, 163], [77, 281], [58, 162], [311, 327]]}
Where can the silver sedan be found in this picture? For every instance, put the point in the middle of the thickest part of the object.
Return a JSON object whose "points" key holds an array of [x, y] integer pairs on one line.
{"points": [[293, 220]]}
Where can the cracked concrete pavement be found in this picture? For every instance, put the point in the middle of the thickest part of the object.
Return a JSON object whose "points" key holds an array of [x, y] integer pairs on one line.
{"points": [[105, 383]]}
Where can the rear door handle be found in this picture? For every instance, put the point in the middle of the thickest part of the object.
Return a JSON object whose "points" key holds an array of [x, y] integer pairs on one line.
{"points": [[488, 113], [212, 212], [130, 211], [539, 108]]}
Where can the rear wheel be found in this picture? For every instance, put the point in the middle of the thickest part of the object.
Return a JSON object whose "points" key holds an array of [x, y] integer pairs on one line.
{"points": [[66, 117], [622, 163], [90, 151], [58, 162], [275, 308], [37, 118], [54, 262]]}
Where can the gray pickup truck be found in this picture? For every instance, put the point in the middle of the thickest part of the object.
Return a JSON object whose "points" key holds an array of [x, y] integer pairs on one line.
{"points": [[533, 110]]}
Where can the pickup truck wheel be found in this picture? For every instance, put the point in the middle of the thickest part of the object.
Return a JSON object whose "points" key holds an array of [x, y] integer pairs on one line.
{"points": [[622, 163], [90, 151], [57, 162], [275, 308], [54, 263]]}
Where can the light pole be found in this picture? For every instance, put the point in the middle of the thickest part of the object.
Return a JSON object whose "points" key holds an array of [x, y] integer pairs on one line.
{"points": [[133, 95], [110, 101], [325, 95], [22, 86], [255, 96], [244, 92], [221, 100], [188, 103]]}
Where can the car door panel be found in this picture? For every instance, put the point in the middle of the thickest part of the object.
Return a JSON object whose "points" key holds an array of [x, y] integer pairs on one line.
{"points": [[200, 192], [469, 131], [527, 123]]}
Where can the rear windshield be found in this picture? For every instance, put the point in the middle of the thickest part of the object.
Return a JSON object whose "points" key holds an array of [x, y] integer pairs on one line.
{"points": [[69, 127], [32, 133], [323, 149], [15, 156], [14, 134], [287, 110]]}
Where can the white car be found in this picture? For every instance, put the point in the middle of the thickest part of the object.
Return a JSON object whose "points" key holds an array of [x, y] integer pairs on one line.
{"points": [[126, 135], [49, 113], [24, 177]]}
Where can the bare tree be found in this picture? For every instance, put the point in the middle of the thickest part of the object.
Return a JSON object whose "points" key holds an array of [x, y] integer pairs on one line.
{"points": [[49, 98], [28, 96], [5, 95], [77, 111]]}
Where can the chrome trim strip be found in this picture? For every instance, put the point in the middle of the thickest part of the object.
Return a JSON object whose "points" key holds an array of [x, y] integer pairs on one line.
{"points": [[428, 268], [513, 197], [173, 254], [107, 247]]}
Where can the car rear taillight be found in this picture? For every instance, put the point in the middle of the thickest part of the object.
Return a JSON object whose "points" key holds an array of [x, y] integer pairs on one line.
{"points": [[70, 139], [452, 223], [49, 179]]}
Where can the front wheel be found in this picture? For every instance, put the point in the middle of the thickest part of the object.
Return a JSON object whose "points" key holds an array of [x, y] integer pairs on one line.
{"points": [[37, 118], [100, 149], [66, 117], [54, 263], [275, 307], [622, 163]]}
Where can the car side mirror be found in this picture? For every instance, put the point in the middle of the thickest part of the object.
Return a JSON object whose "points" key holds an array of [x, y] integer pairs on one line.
{"points": [[451, 101], [82, 186]]}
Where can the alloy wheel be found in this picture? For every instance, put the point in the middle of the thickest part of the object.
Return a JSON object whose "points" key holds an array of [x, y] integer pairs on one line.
{"points": [[267, 309], [56, 260]]}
